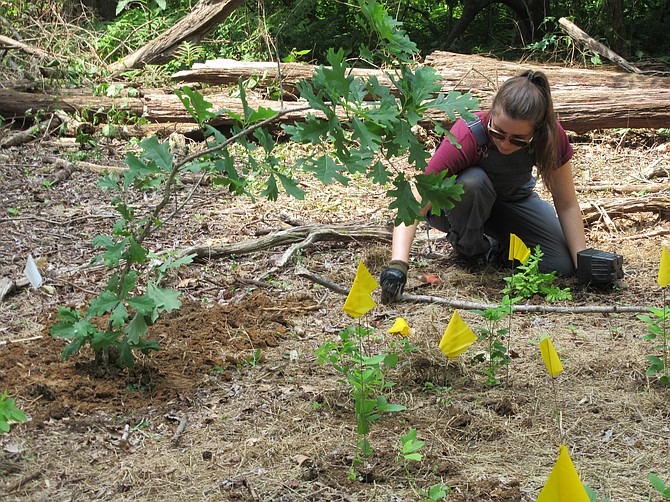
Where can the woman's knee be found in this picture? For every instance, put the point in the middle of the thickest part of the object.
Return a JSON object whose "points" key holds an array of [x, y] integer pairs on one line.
{"points": [[559, 262], [474, 180]]}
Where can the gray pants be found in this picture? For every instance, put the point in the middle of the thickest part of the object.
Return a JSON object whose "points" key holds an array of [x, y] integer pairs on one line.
{"points": [[481, 213]]}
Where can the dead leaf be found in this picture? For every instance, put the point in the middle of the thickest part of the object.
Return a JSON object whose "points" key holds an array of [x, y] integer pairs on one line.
{"points": [[300, 459], [431, 279]]}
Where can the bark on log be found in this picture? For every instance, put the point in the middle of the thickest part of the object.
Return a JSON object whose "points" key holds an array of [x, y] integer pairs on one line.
{"points": [[648, 188], [15, 104], [204, 17], [581, 36], [584, 99]]}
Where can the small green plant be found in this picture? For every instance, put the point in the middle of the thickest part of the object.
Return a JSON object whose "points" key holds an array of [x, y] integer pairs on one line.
{"points": [[409, 448], [530, 281], [660, 486], [593, 495], [254, 359], [366, 377], [442, 392], [495, 354], [434, 493], [657, 331], [133, 300], [13, 211], [9, 413]]}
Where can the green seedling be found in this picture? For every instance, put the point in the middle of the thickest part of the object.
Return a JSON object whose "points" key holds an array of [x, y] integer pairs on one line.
{"points": [[255, 358], [660, 486], [657, 328], [409, 449], [495, 354], [9, 413], [593, 495], [442, 392], [529, 281], [434, 493]]}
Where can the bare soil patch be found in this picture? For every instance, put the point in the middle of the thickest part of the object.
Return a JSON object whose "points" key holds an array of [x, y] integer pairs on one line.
{"points": [[262, 420]]}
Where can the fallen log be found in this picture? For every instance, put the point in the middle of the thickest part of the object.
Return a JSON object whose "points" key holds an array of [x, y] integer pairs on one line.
{"points": [[14, 105], [585, 99], [10, 43], [578, 112], [312, 233], [646, 188], [205, 16], [581, 36], [594, 211]]}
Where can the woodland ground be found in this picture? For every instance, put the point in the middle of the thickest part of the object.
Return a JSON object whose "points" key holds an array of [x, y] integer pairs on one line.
{"points": [[283, 428]]}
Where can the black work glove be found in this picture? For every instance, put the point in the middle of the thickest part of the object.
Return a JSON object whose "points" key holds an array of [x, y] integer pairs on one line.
{"points": [[392, 280]]}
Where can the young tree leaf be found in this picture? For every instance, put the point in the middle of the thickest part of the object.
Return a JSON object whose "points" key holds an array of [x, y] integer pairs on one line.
{"points": [[106, 302], [271, 191], [441, 190], [126, 358], [327, 170], [313, 130], [166, 300], [137, 328], [404, 201], [291, 186], [378, 173], [196, 105], [143, 304], [158, 152], [119, 316], [367, 139]]}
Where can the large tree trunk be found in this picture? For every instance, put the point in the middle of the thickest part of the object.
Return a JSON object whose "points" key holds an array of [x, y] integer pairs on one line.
{"points": [[204, 17], [618, 40], [529, 14], [470, 10]]}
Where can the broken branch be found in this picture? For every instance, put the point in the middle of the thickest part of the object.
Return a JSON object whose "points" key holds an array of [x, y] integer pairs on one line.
{"points": [[466, 305]]}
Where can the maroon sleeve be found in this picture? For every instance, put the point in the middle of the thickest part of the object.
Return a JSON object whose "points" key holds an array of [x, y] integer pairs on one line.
{"points": [[565, 148], [453, 158]]}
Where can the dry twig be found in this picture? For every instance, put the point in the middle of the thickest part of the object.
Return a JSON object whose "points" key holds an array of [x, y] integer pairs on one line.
{"points": [[467, 305]]}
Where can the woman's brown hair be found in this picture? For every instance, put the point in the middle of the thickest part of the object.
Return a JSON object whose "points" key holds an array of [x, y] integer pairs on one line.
{"points": [[527, 97]]}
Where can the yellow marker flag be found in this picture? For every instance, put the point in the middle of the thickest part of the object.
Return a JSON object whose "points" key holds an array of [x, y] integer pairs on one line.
{"points": [[517, 249], [457, 337], [359, 301], [563, 483], [664, 269], [551, 359], [400, 326]]}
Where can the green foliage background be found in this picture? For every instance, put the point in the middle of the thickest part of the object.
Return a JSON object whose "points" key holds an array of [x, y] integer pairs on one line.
{"points": [[306, 29]]}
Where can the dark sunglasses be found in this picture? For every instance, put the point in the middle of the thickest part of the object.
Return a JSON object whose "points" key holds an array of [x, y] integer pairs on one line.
{"points": [[500, 136]]}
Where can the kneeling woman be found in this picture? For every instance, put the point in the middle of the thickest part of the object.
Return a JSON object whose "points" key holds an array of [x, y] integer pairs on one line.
{"points": [[497, 178]]}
